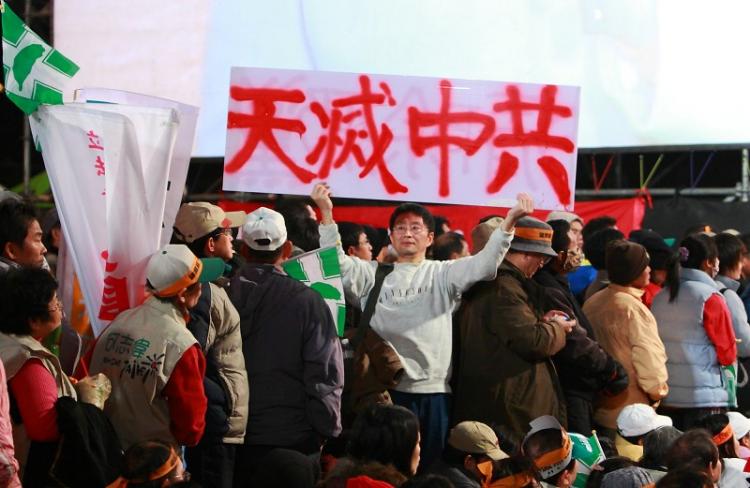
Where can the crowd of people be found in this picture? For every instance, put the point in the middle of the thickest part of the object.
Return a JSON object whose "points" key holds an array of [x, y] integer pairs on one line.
{"points": [[466, 361]]}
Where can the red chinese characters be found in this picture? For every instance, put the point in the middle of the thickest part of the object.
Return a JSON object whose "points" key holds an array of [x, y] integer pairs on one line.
{"points": [[552, 168], [335, 151], [95, 144], [261, 124], [366, 130], [115, 294], [443, 139]]}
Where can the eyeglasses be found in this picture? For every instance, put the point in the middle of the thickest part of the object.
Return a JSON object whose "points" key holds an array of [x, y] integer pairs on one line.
{"points": [[413, 228]]}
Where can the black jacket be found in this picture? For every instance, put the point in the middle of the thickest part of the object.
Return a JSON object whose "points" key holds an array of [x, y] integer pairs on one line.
{"points": [[583, 367], [292, 355]]}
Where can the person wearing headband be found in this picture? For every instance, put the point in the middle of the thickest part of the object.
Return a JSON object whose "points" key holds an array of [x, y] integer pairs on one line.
{"points": [[151, 464], [550, 448], [153, 361], [722, 433]]}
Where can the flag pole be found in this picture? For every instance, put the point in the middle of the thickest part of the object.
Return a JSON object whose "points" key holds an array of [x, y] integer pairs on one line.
{"points": [[26, 127]]}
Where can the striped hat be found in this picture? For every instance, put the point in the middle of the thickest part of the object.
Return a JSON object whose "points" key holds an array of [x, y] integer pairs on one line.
{"points": [[533, 235]]}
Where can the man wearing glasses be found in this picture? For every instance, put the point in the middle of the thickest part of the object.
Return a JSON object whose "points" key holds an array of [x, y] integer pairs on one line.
{"points": [[413, 312]]}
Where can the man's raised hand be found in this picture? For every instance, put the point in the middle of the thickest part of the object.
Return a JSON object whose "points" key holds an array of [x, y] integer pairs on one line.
{"points": [[321, 195], [524, 206]]}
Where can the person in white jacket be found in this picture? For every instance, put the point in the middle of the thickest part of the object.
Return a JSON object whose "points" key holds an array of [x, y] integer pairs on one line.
{"points": [[414, 308]]}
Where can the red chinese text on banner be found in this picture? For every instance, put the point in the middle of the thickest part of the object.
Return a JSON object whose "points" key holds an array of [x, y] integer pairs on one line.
{"points": [[401, 138]]}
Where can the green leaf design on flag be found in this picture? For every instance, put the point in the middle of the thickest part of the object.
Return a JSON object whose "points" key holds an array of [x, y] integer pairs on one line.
{"points": [[33, 71], [24, 61], [326, 290]]}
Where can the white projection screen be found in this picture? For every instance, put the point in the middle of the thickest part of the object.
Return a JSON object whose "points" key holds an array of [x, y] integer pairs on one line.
{"points": [[651, 72]]}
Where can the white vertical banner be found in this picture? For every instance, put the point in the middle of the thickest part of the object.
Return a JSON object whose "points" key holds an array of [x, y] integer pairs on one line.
{"points": [[108, 166], [183, 147]]}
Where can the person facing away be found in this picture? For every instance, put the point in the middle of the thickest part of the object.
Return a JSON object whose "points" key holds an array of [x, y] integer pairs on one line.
{"points": [[413, 311], [153, 361], [292, 353], [627, 330], [207, 231], [696, 328]]}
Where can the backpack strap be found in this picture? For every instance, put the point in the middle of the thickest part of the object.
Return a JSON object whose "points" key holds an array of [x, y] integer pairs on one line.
{"points": [[372, 300]]}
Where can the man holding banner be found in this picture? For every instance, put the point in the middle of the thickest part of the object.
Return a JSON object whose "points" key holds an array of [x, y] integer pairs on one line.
{"points": [[415, 304]]}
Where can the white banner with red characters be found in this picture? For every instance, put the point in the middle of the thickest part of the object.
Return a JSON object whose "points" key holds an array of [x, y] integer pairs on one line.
{"points": [[109, 168], [401, 138]]}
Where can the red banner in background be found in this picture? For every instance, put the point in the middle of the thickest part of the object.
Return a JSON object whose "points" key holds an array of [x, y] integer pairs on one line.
{"points": [[629, 213]]}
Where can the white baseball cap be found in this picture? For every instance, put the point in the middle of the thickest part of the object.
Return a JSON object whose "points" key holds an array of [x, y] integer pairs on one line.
{"points": [[264, 230], [740, 424], [640, 419], [175, 267]]}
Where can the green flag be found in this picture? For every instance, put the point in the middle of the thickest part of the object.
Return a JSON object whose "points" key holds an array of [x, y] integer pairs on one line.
{"points": [[320, 271], [33, 71], [588, 452]]}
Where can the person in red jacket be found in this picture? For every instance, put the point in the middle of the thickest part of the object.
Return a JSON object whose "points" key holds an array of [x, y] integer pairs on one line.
{"points": [[154, 362]]}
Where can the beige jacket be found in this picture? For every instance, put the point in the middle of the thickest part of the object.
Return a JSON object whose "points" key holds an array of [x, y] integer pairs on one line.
{"points": [[627, 330], [15, 350], [138, 352], [224, 348]]}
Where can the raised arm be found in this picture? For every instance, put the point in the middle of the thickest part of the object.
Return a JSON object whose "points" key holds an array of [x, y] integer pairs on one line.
{"points": [[464, 272], [358, 275]]}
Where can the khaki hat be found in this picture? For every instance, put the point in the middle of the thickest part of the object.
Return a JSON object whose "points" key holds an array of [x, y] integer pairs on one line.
{"points": [[174, 267], [482, 232], [476, 438], [197, 219], [568, 217]]}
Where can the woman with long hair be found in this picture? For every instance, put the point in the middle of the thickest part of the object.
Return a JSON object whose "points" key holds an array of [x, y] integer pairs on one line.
{"points": [[696, 329]]}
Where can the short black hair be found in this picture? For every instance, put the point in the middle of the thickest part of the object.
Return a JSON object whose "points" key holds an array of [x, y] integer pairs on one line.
{"points": [[350, 232], [301, 229], [656, 444], [730, 250], [25, 294], [560, 237], [142, 459], [387, 434], [595, 246], [15, 218], [714, 424], [447, 244], [263, 257], [597, 224], [378, 237], [439, 222], [416, 209]]}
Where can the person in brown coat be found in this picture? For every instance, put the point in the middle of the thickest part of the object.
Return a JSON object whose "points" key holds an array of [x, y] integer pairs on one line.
{"points": [[505, 375]]}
